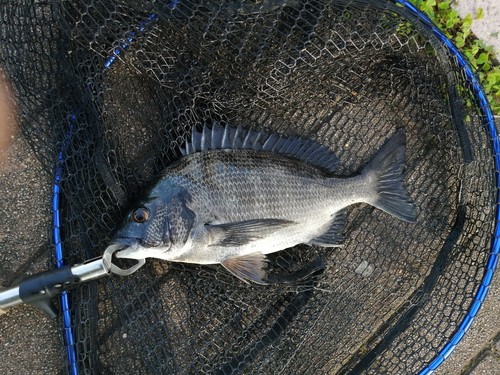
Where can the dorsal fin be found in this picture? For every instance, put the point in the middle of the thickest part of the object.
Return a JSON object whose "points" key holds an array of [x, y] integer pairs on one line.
{"points": [[226, 137]]}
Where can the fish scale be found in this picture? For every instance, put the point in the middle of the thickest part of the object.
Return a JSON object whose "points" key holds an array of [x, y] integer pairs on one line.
{"points": [[264, 192]]}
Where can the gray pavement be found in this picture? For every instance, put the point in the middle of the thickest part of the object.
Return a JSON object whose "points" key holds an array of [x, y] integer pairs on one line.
{"points": [[487, 28]]}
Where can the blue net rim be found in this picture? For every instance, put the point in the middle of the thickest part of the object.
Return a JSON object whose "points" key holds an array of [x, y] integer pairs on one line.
{"points": [[492, 262]]}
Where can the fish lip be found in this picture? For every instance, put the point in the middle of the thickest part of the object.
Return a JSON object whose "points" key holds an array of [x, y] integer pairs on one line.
{"points": [[125, 247], [125, 242], [121, 244]]}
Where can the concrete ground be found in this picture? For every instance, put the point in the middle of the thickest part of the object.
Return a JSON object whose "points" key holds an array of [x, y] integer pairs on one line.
{"points": [[30, 342], [488, 27]]}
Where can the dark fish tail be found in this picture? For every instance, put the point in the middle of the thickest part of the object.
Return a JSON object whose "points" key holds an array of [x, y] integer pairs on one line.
{"points": [[385, 174]]}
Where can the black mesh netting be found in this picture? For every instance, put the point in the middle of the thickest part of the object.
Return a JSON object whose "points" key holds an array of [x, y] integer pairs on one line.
{"points": [[117, 85]]}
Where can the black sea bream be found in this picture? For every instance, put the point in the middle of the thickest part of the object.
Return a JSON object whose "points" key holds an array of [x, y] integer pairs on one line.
{"points": [[237, 195]]}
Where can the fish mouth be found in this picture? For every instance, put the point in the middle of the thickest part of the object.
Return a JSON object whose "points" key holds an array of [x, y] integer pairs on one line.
{"points": [[127, 248], [125, 241]]}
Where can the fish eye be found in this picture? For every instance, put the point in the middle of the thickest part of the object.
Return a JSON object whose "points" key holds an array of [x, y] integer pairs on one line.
{"points": [[140, 215]]}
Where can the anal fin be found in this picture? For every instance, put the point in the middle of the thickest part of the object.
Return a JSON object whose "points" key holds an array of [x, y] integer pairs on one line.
{"points": [[248, 267], [334, 235]]}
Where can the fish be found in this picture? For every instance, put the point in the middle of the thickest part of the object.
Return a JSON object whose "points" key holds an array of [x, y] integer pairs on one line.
{"points": [[237, 195]]}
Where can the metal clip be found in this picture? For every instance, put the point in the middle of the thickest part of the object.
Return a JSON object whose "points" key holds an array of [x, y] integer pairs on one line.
{"points": [[113, 268]]}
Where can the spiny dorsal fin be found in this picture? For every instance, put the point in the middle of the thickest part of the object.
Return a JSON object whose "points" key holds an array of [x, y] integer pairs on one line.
{"points": [[226, 137]]}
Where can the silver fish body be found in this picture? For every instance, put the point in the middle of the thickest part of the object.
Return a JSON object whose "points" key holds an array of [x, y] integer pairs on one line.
{"points": [[257, 195]]}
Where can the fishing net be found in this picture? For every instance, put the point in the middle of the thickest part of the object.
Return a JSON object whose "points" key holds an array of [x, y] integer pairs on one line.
{"points": [[109, 90]]}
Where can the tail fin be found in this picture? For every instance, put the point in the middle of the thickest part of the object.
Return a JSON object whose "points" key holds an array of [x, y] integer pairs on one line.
{"points": [[385, 174]]}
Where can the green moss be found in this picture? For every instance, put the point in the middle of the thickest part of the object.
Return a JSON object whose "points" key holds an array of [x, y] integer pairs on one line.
{"points": [[477, 52]]}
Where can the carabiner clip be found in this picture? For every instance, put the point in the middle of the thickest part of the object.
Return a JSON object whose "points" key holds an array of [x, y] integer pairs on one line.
{"points": [[113, 268]]}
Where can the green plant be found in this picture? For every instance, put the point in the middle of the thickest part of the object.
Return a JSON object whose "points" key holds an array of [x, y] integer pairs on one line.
{"points": [[477, 52]]}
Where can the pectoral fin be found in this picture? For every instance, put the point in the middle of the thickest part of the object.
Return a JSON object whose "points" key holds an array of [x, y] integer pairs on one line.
{"points": [[243, 232], [248, 267]]}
